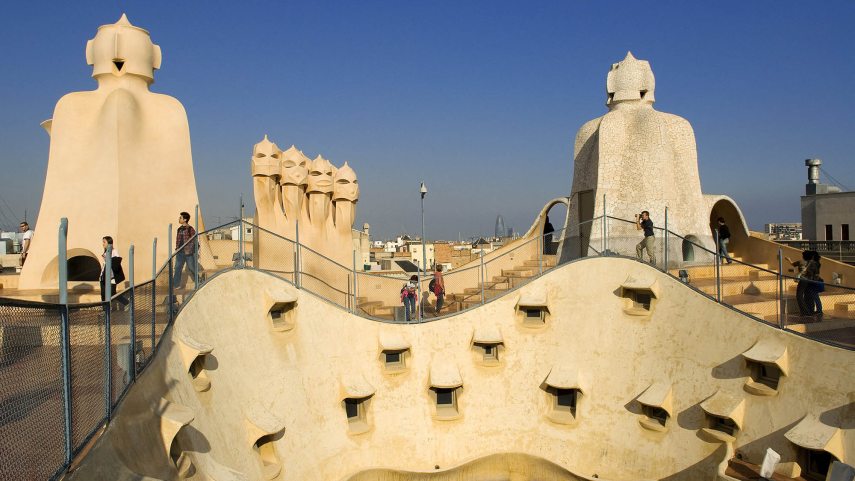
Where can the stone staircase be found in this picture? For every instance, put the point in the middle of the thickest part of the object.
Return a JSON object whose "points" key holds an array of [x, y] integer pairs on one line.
{"points": [[753, 289], [457, 299]]}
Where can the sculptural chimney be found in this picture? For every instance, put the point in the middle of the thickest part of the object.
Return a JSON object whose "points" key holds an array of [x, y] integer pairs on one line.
{"points": [[638, 159], [119, 164]]}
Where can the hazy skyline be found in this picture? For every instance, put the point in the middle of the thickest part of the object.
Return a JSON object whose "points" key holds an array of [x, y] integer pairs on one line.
{"points": [[481, 100]]}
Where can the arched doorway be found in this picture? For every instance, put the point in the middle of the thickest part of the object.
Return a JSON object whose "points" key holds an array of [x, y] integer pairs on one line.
{"points": [[557, 216], [83, 265], [688, 248], [726, 209], [83, 268]]}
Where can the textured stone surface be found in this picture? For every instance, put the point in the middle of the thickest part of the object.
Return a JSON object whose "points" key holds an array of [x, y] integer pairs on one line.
{"points": [[688, 341], [639, 159], [119, 162]]}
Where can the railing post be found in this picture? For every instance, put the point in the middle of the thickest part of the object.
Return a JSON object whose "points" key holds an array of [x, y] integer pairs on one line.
{"points": [[240, 235], [605, 232], [353, 305], [108, 361], [483, 278], [133, 348], [65, 334], [62, 260], [153, 292], [665, 254], [170, 283], [717, 270], [297, 253], [196, 251], [355, 288], [782, 302]]}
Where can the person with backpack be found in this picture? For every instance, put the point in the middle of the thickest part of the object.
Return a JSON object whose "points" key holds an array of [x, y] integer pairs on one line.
{"points": [[804, 298], [409, 296], [117, 274], [437, 286]]}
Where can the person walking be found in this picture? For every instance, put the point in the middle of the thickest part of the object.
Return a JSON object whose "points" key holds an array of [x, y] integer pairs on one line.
{"points": [[438, 288], [723, 239], [804, 303], [185, 248], [548, 231], [27, 238], [815, 285], [409, 296], [644, 223], [117, 274]]}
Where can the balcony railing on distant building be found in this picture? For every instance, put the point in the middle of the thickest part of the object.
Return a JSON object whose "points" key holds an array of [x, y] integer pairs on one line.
{"points": [[843, 251]]}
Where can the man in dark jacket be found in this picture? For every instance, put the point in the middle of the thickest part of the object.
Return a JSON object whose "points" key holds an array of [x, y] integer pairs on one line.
{"points": [[723, 239]]}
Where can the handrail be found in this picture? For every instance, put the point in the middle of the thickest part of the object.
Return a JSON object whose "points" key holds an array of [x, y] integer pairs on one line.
{"points": [[154, 318]]}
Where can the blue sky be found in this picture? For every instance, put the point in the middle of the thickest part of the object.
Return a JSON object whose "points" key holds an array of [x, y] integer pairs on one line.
{"points": [[481, 100]]}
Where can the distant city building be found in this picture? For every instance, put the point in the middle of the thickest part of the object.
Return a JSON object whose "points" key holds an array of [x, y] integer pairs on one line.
{"points": [[827, 212], [784, 231], [500, 226], [362, 246], [234, 231], [416, 254]]}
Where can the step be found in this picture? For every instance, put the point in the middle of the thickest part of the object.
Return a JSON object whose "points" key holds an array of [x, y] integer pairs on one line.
{"points": [[845, 307], [727, 270], [820, 326], [368, 304], [464, 298], [511, 282], [519, 272], [546, 263], [735, 286]]}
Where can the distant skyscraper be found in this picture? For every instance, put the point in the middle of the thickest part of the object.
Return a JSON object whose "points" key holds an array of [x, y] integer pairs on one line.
{"points": [[500, 226]]}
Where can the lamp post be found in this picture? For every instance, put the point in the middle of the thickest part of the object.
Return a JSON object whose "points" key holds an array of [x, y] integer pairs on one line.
{"points": [[423, 192]]}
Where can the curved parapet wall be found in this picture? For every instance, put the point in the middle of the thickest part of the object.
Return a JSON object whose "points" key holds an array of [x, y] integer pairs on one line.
{"points": [[601, 367]]}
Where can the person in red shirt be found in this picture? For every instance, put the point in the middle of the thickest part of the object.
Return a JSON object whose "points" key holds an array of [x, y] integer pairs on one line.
{"points": [[438, 288]]}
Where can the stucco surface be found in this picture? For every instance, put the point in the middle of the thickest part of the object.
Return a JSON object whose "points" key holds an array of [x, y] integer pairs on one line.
{"points": [[120, 162], [687, 341], [639, 159]]}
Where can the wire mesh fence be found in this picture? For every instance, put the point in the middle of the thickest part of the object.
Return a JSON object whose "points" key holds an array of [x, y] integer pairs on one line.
{"points": [[32, 430], [87, 326], [380, 296], [120, 341], [326, 278], [626, 238], [221, 249], [164, 303], [102, 364], [461, 291], [143, 310], [273, 253], [512, 269]]}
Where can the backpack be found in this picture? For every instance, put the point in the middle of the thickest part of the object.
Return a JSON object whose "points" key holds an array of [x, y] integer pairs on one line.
{"points": [[432, 285]]}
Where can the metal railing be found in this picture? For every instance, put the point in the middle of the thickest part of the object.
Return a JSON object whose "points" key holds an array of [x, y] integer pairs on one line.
{"points": [[65, 367], [775, 295], [842, 250]]}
